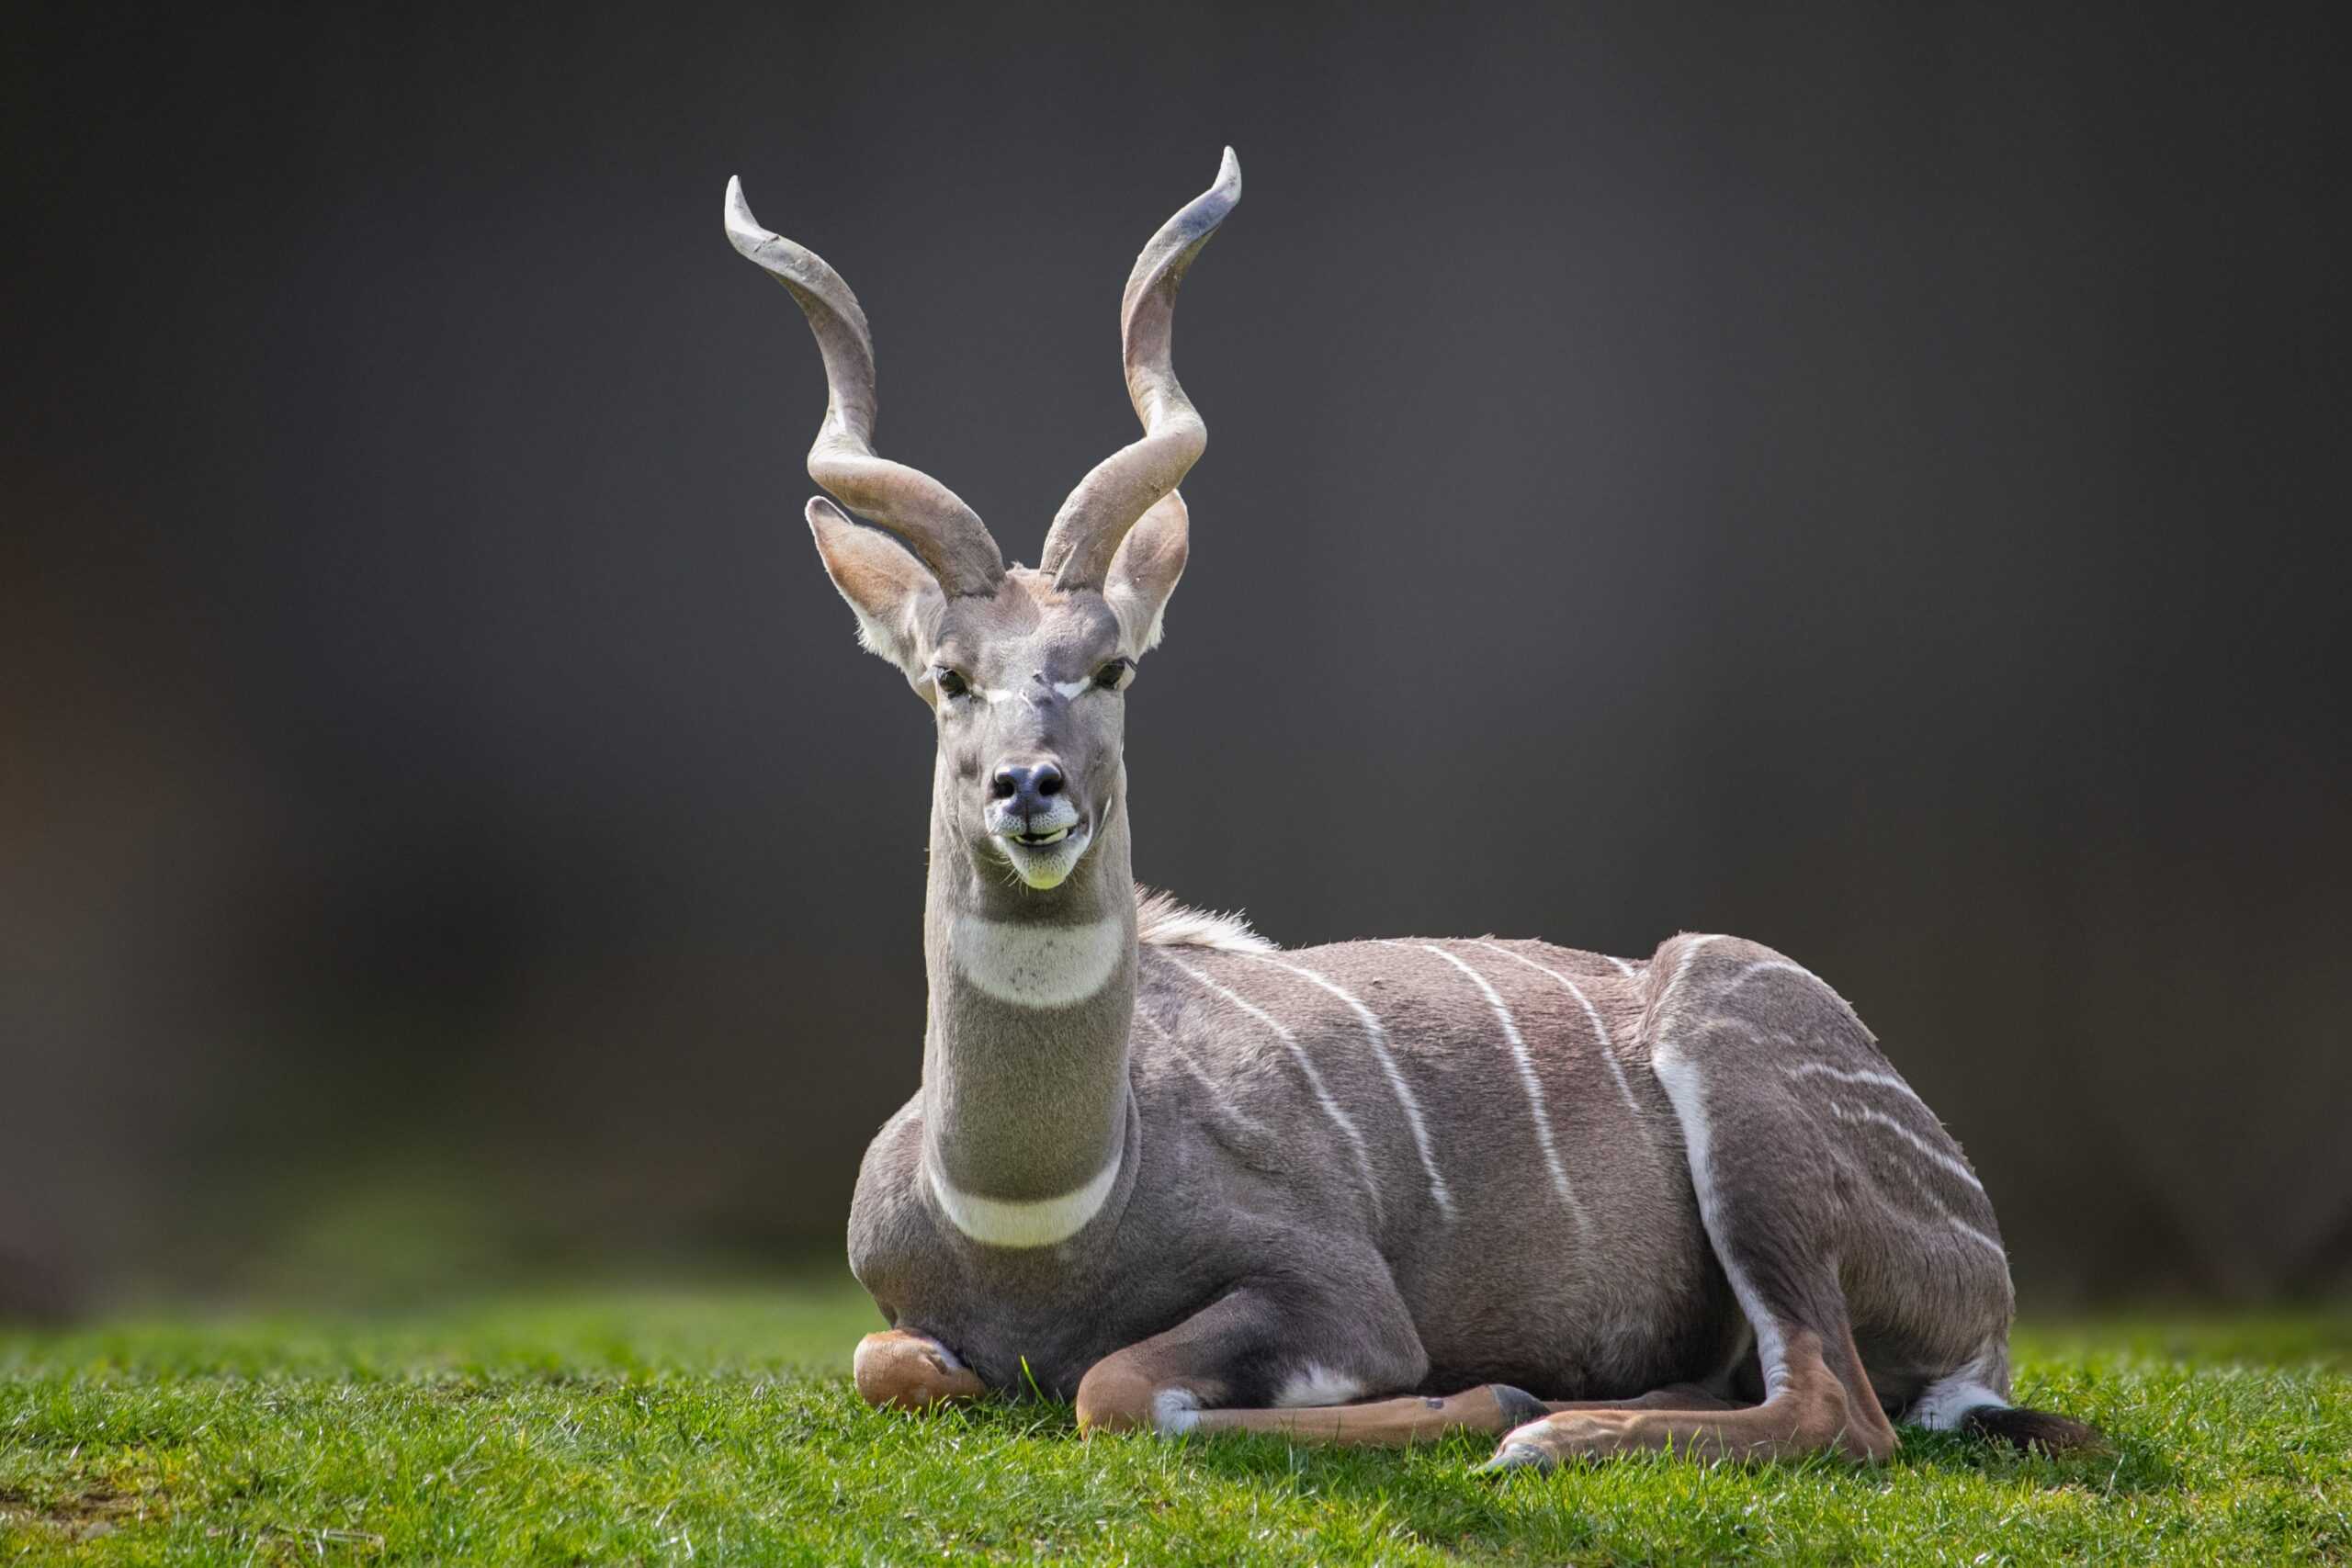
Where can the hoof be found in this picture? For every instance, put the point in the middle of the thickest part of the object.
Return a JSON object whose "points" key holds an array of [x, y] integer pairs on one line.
{"points": [[1515, 1456], [1517, 1406]]}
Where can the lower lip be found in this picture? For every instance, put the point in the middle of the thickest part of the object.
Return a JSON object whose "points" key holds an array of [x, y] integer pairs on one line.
{"points": [[1059, 839]]}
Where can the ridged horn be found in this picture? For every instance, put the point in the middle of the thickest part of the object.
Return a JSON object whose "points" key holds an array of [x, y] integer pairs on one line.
{"points": [[1124, 486], [932, 519]]}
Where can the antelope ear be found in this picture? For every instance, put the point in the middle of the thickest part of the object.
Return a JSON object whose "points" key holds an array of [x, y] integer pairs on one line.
{"points": [[892, 592], [1144, 572]]}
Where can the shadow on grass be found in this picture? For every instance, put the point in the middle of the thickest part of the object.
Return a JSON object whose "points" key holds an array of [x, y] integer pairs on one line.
{"points": [[2126, 1467], [1429, 1491], [1432, 1493]]}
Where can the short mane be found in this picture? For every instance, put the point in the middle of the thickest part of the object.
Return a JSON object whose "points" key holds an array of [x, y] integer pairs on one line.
{"points": [[1160, 921]]}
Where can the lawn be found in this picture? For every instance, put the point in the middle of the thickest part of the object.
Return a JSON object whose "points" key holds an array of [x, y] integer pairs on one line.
{"points": [[719, 1426]]}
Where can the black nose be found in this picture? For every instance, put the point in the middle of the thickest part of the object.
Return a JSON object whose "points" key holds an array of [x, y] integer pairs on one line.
{"points": [[1027, 788]]}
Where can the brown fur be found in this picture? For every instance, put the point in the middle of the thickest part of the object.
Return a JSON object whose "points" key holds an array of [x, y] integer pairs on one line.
{"points": [[909, 1372]]}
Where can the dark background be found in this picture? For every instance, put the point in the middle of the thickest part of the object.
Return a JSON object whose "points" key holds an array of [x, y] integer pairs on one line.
{"points": [[1867, 478]]}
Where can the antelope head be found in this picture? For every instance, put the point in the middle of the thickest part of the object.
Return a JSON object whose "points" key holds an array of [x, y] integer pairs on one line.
{"points": [[1024, 668]]}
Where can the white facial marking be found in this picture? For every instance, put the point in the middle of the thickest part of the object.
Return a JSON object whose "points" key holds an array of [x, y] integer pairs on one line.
{"points": [[1532, 1084], [1592, 1015], [1685, 1084], [1175, 1411], [996, 1221], [1316, 1385], [1280, 1031], [1036, 965], [1377, 1034], [1033, 694]]}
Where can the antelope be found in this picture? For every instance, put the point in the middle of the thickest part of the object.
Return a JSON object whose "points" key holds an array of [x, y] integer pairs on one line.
{"points": [[1371, 1192]]}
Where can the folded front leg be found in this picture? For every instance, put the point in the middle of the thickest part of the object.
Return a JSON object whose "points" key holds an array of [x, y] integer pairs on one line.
{"points": [[1276, 1356], [902, 1369], [1388, 1423]]}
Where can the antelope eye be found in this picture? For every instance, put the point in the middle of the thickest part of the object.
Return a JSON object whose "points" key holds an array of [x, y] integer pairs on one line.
{"points": [[949, 682], [1114, 676]]}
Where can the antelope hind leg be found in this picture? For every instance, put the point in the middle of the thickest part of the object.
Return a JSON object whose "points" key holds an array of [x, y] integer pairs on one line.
{"points": [[900, 1370], [1764, 1173], [1811, 1410]]}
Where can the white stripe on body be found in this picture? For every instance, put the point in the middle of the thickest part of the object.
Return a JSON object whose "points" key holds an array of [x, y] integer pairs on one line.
{"points": [[1527, 1077], [1599, 1030], [1280, 1031], [1685, 1086], [1681, 968], [1036, 965], [1623, 967], [1859, 1113], [998, 1222], [1883, 1080], [1782, 966], [1940, 1210], [1775, 966], [1375, 1031], [1215, 1092]]}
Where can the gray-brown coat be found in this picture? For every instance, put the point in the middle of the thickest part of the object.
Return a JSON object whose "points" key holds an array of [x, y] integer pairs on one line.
{"points": [[1365, 1192]]}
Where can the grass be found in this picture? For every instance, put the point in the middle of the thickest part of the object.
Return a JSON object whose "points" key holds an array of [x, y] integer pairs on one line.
{"points": [[719, 1426]]}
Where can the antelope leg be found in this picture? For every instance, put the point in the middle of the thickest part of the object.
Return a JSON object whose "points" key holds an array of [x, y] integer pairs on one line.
{"points": [[900, 1370], [1810, 1411], [1490, 1408], [1675, 1396], [1274, 1357]]}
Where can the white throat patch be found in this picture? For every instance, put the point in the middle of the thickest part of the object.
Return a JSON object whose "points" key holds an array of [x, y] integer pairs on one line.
{"points": [[1036, 965]]}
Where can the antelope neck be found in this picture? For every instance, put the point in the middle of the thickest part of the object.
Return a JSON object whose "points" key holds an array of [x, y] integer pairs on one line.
{"points": [[1027, 1110]]}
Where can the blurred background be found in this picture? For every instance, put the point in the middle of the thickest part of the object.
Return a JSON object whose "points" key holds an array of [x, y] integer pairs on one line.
{"points": [[1864, 478]]}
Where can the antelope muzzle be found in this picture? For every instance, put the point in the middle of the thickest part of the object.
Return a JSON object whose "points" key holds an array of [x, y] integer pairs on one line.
{"points": [[1035, 819]]}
